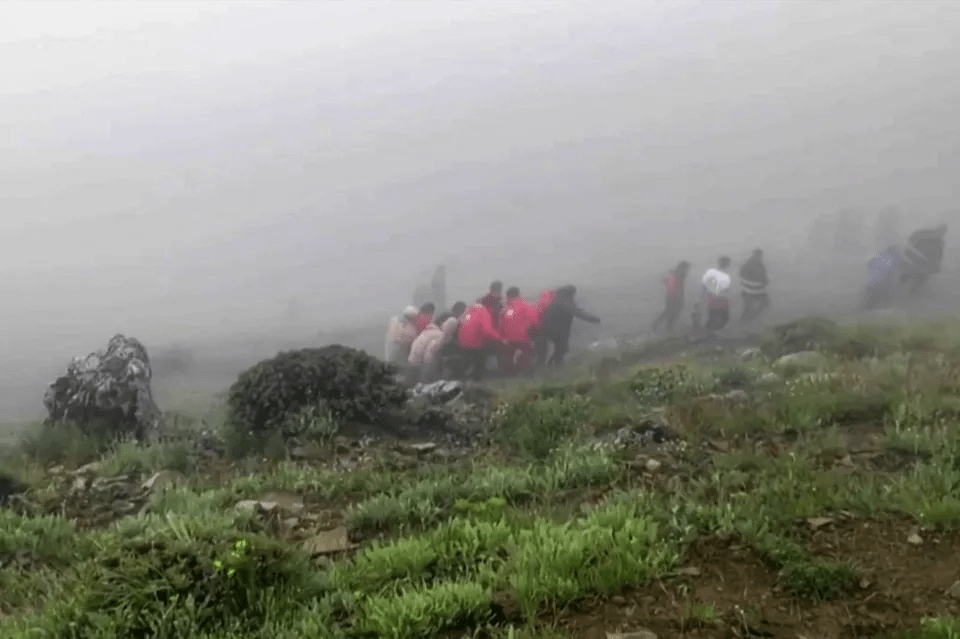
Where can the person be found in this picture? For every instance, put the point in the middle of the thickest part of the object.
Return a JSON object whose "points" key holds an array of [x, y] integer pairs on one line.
{"points": [[675, 285], [556, 323], [923, 256], [400, 335], [424, 317], [753, 287], [424, 355], [449, 355], [883, 279], [478, 338], [716, 284], [493, 301], [518, 320], [438, 286]]}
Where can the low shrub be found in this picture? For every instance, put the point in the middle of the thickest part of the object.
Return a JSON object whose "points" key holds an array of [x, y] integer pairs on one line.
{"points": [[535, 428], [351, 384]]}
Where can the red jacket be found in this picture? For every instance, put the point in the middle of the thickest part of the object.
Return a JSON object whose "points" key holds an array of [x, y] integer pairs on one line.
{"points": [[422, 320], [476, 327], [672, 283], [518, 317], [543, 303]]}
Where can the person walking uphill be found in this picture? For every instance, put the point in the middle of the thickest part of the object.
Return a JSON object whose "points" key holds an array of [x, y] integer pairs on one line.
{"points": [[518, 321], [716, 285], [753, 287], [478, 338], [556, 324], [675, 285]]}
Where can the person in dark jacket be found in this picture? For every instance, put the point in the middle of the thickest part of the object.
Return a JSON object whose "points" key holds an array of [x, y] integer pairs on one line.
{"points": [[493, 301], [675, 284], [923, 256], [753, 287], [556, 325]]}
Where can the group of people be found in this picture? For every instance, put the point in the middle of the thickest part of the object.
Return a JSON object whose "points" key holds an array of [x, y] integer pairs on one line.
{"points": [[715, 285], [460, 343]]}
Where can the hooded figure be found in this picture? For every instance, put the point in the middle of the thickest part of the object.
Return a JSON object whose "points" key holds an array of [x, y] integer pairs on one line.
{"points": [[923, 255], [716, 286], [400, 335], [556, 323], [675, 285], [753, 286], [518, 320]]}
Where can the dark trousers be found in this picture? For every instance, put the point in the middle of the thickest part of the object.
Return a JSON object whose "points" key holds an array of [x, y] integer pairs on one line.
{"points": [[753, 305], [476, 359], [669, 315], [717, 318], [517, 357]]}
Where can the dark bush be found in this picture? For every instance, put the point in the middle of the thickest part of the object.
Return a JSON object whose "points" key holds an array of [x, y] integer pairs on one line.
{"points": [[353, 385]]}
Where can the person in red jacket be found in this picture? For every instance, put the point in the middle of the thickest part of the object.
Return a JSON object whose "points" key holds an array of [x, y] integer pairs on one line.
{"points": [[516, 323], [674, 284], [477, 338], [493, 301], [424, 317]]}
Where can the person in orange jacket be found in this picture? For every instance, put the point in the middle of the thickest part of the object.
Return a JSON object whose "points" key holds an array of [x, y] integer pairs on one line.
{"points": [[517, 321], [424, 317], [478, 338]]}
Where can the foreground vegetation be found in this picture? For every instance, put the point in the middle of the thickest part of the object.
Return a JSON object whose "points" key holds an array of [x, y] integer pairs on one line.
{"points": [[565, 505]]}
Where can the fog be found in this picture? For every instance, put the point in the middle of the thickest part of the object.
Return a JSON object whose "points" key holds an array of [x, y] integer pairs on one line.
{"points": [[181, 171]]}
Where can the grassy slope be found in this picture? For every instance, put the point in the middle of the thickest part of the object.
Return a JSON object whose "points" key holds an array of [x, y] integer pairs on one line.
{"points": [[530, 535]]}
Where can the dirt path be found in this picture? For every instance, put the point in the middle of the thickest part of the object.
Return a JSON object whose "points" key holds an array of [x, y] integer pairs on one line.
{"points": [[734, 592]]}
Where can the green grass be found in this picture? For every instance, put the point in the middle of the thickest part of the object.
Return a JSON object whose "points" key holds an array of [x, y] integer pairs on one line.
{"points": [[494, 545]]}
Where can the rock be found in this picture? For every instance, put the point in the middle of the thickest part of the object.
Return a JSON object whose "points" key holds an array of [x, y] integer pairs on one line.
{"points": [[618, 600], [636, 634], [689, 571], [92, 468], [819, 522], [9, 487], [290, 502], [770, 378], [652, 465], [954, 590], [329, 541], [425, 447], [309, 450], [806, 361], [247, 506], [751, 354], [915, 539], [737, 396], [437, 393], [112, 386], [163, 480]]}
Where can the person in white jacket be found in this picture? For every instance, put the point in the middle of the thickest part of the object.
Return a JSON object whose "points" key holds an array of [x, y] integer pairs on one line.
{"points": [[400, 335], [716, 288]]}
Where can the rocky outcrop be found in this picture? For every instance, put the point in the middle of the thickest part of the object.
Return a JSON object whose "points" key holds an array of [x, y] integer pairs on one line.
{"points": [[107, 392]]}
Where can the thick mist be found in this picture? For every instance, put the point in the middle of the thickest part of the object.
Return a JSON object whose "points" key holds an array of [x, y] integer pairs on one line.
{"points": [[234, 176]]}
